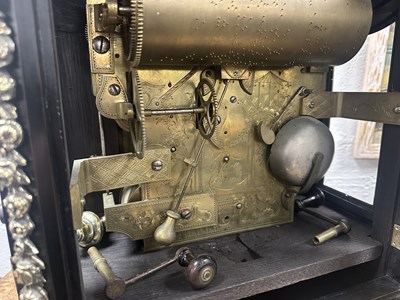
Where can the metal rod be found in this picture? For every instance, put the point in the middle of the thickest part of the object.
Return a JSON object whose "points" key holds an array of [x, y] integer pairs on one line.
{"points": [[102, 139], [192, 167], [150, 271], [177, 85], [195, 162], [301, 92], [319, 216], [173, 111], [125, 11]]}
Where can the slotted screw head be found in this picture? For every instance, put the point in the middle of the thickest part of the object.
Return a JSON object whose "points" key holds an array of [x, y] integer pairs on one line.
{"points": [[114, 89], [156, 165], [101, 44]]}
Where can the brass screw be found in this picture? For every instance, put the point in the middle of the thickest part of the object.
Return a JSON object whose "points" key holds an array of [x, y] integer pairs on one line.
{"points": [[311, 105], [226, 159], [239, 205], [186, 213], [233, 99], [156, 165]]}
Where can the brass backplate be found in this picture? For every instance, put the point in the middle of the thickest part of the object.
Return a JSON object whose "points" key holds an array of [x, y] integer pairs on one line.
{"points": [[234, 163], [138, 220]]}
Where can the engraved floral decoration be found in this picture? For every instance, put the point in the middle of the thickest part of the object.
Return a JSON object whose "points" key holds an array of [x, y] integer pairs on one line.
{"points": [[16, 200]]}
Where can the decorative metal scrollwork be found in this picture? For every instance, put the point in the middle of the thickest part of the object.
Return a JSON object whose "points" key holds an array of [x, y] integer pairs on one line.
{"points": [[27, 265]]}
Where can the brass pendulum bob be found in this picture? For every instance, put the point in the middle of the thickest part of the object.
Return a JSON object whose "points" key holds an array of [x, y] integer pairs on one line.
{"points": [[165, 233]]}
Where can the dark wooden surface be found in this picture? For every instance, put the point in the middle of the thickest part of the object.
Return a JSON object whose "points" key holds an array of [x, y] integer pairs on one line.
{"points": [[383, 288], [248, 263]]}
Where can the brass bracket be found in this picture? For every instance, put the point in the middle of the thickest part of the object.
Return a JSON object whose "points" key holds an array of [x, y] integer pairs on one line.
{"points": [[235, 73], [113, 106], [112, 172], [375, 107], [139, 220], [245, 75], [395, 242], [102, 63]]}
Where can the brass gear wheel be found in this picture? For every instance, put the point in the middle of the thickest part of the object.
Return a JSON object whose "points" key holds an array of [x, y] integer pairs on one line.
{"points": [[133, 32], [137, 126], [206, 98]]}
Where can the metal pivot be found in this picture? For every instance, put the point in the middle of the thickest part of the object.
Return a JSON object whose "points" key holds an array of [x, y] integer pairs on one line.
{"points": [[165, 233], [316, 199], [200, 270]]}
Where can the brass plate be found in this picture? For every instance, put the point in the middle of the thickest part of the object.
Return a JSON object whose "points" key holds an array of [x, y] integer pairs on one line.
{"points": [[117, 171], [112, 172], [138, 220], [236, 213]]}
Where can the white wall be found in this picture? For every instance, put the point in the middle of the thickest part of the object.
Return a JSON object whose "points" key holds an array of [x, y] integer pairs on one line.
{"points": [[355, 177]]}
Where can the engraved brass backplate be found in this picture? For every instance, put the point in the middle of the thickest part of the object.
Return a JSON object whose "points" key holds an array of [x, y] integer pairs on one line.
{"points": [[138, 220], [234, 162]]}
